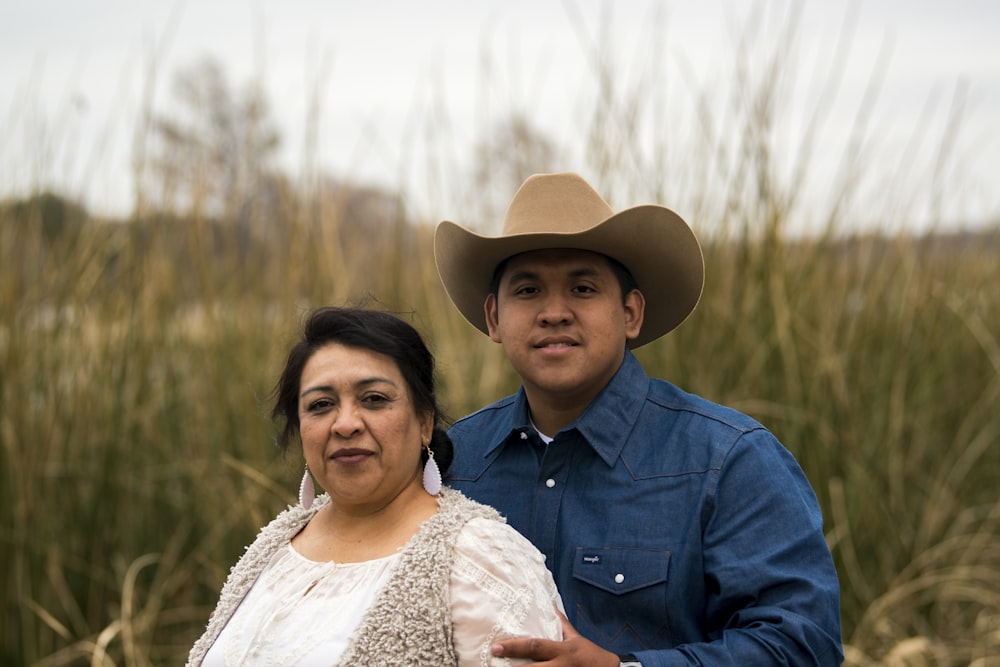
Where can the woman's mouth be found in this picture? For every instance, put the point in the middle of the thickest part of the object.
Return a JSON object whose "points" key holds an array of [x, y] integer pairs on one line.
{"points": [[351, 456]]}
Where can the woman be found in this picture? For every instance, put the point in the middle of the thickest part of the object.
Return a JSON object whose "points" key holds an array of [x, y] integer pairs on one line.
{"points": [[387, 567]]}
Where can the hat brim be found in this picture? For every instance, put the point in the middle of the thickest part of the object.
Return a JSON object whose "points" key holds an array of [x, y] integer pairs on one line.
{"points": [[653, 242]]}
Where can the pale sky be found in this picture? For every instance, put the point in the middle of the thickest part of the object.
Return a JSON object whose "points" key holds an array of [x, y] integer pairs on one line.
{"points": [[74, 75]]}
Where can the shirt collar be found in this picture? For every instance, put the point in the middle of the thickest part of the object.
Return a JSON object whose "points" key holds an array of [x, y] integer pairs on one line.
{"points": [[520, 422], [606, 423]]}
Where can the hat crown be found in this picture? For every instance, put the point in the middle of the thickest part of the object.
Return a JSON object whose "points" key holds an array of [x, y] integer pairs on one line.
{"points": [[555, 203]]}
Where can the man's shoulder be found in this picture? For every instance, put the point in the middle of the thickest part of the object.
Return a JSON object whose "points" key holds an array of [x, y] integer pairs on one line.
{"points": [[663, 400], [698, 433], [485, 418], [666, 396]]}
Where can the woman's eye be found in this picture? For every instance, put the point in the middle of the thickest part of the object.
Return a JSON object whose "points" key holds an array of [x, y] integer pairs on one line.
{"points": [[319, 404], [375, 399]]}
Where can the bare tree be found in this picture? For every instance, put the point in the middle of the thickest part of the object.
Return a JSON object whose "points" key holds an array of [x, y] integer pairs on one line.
{"points": [[514, 151], [212, 156]]}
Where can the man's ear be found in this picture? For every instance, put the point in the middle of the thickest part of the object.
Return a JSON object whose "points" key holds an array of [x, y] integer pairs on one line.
{"points": [[635, 310], [490, 307]]}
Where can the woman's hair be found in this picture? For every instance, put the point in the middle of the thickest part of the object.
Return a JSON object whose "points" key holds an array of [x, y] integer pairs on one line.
{"points": [[372, 330]]}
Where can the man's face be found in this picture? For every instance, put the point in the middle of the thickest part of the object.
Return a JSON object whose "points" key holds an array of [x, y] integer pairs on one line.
{"points": [[560, 317]]}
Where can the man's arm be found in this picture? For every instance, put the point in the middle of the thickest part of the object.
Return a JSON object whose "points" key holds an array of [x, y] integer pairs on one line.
{"points": [[572, 650]]}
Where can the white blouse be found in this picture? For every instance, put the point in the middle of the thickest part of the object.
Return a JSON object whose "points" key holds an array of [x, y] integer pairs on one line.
{"points": [[304, 613]]}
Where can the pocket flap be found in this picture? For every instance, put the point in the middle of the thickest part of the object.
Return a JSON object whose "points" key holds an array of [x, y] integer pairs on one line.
{"points": [[620, 571]]}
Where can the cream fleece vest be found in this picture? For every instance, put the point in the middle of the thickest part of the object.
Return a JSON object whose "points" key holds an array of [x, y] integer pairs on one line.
{"points": [[409, 622]]}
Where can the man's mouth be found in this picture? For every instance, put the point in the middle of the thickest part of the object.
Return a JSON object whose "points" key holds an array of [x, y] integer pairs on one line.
{"points": [[556, 343]]}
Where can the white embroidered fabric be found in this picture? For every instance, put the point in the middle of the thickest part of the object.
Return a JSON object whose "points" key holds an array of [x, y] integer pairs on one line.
{"points": [[301, 612]]}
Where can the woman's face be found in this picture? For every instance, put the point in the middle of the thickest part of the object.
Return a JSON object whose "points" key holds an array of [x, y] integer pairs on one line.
{"points": [[361, 434]]}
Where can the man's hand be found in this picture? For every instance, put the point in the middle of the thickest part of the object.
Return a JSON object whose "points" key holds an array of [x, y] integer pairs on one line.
{"points": [[573, 651]]}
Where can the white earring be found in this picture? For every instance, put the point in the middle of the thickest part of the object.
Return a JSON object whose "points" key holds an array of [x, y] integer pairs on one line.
{"points": [[432, 475], [307, 492]]}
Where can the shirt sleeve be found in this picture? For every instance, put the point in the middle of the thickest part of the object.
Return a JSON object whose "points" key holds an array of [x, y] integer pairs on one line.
{"points": [[773, 594], [500, 589]]}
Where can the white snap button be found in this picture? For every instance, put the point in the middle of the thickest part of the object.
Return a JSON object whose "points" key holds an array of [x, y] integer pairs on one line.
{"points": [[524, 436], [619, 578], [550, 483]]}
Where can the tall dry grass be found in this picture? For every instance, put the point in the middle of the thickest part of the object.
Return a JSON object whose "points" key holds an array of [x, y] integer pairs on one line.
{"points": [[137, 358]]}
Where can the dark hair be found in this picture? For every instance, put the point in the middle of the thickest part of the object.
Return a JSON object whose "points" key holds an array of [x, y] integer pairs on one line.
{"points": [[626, 281], [373, 330]]}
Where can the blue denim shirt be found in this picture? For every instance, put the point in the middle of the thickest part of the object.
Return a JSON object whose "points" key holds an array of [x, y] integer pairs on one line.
{"points": [[676, 529]]}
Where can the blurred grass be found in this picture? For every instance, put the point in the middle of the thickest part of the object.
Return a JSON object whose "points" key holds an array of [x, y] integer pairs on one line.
{"points": [[136, 358]]}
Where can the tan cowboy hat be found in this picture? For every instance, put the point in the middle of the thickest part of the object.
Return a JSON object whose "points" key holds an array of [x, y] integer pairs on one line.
{"points": [[563, 211]]}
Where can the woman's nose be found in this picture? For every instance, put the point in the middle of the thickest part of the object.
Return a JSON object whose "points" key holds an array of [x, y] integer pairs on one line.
{"points": [[348, 422]]}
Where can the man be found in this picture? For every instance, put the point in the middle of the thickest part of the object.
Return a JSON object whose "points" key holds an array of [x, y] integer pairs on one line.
{"points": [[679, 532]]}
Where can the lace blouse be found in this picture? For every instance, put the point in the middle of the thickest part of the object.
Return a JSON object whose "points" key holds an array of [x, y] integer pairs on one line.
{"points": [[302, 612]]}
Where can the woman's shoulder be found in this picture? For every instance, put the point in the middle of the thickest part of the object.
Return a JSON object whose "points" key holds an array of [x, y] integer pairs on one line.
{"points": [[500, 588], [484, 529], [455, 503], [487, 535]]}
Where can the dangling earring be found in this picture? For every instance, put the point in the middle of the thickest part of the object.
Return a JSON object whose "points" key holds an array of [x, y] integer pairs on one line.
{"points": [[307, 492], [432, 475]]}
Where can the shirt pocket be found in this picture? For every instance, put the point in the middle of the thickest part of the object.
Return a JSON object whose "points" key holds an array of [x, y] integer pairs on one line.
{"points": [[620, 596]]}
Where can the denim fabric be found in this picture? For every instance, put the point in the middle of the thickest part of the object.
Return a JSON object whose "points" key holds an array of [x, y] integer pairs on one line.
{"points": [[676, 529]]}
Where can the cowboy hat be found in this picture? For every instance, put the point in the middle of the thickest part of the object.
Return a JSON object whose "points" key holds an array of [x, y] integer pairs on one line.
{"points": [[564, 211]]}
